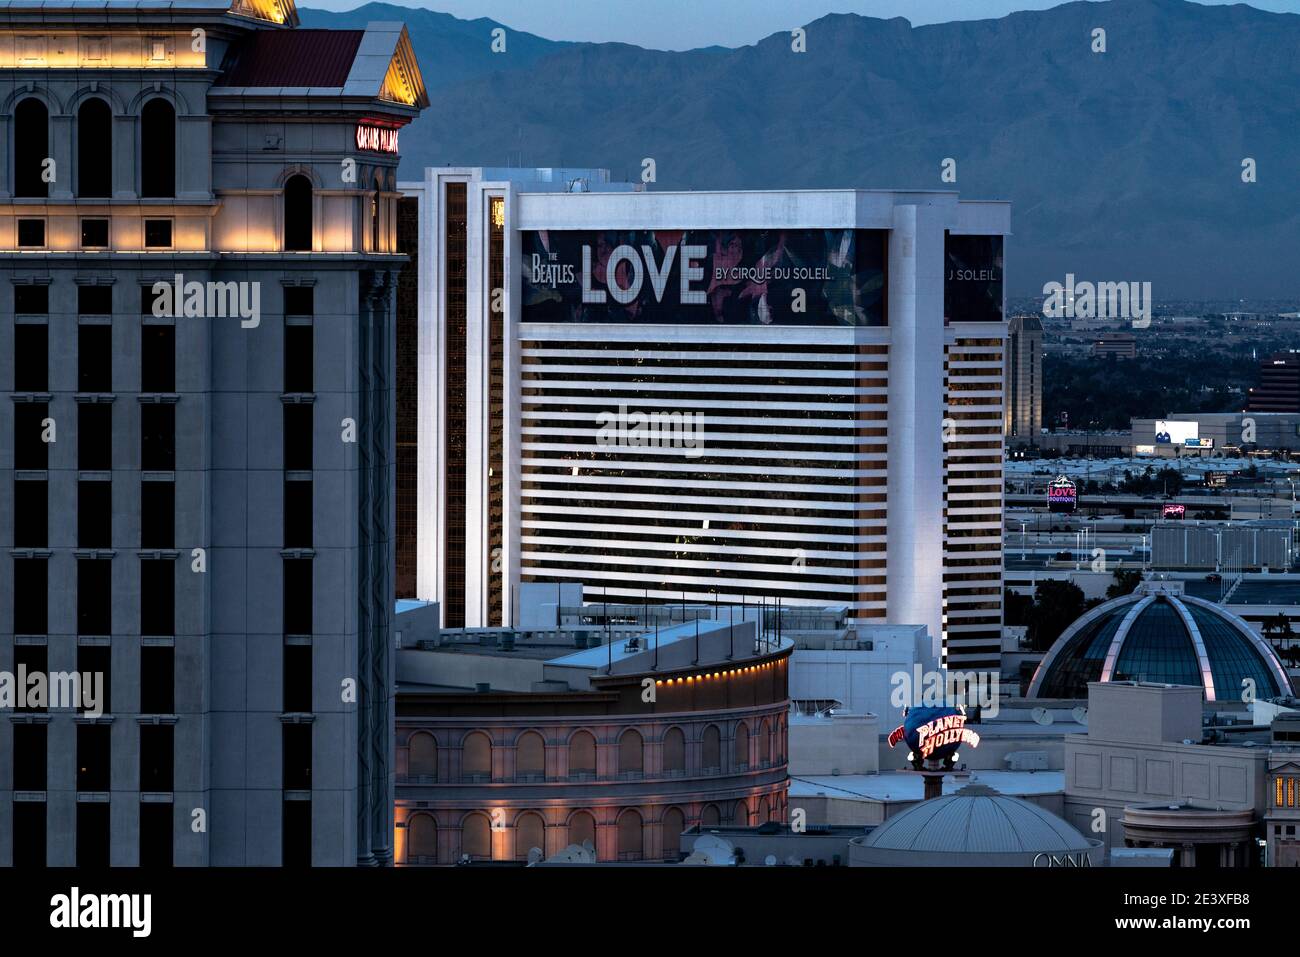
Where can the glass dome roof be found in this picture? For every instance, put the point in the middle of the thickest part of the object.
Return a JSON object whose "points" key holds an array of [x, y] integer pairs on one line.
{"points": [[1162, 638]]}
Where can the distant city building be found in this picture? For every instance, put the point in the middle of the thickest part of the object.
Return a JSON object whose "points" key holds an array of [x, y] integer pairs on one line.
{"points": [[1259, 546], [790, 395], [1024, 380], [196, 309], [1265, 431], [1121, 345], [1279, 384]]}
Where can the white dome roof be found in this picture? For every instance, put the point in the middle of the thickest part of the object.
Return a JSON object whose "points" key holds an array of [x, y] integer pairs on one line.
{"points": [[977, 820]]}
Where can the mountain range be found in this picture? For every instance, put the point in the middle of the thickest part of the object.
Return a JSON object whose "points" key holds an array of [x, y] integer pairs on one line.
{"points": [[1120, 165]]}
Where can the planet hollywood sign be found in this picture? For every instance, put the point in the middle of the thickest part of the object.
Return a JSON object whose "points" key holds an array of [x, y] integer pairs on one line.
{"points": [[377, 139], [934, 732]]}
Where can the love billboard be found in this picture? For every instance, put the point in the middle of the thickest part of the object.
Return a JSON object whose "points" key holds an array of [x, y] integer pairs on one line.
{"points": [[781, 277]]}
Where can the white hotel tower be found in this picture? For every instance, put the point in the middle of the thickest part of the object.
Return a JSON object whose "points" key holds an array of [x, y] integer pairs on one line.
{"points": [[839, 351]]}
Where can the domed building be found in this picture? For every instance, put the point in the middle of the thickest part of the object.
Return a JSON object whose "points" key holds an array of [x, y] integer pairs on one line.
{"points": [[1163, 637], [975, 827]]}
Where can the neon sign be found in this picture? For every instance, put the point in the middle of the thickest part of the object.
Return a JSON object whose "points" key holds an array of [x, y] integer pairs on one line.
{"points": [[377, 139], [934, 732], [1062, 495]]}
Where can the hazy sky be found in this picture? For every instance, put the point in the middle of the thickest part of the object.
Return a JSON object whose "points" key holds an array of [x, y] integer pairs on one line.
{"points": [[682, 24]]}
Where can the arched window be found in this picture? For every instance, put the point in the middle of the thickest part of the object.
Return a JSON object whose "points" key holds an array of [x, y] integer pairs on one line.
{"points": [[422, 839], [631, 753], [476, 837], [710, 816], [530, 755], [476, 756], [582, 827], [674, 750], [764, 744], [671, 827], [582, 755], [740, 814], [94, 149], [31, 147], [297, 214], [741, 757], [422, 757], [530, 832], [764, 811], [711, 752], [158, 150], [630, 837]]}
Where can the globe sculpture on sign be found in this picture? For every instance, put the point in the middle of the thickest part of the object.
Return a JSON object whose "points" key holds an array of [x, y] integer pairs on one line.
{"points": [[933, 737]]}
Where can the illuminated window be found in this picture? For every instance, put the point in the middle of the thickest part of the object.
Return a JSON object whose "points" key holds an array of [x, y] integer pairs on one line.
{"points": [[1290, 792]]}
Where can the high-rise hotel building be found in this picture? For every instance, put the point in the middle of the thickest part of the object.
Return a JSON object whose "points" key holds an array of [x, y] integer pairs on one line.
{"points": [[789, 396], [197, 271]]}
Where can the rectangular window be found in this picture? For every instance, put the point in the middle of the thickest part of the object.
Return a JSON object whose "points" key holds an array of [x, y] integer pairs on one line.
{"points": [[29, 833], [94, 514], [295, 834], [94, 596], [95, 300], [94, 233], [297, 678], [158, 437], [157, 233], [158, 359], [94, 757], [31, 452], [297, 514], [95, 663], [157, 514], [297, 757], [94, 358], [94, 436], [298, 437], [31, 615], [298, 359], [156, 834], [147, 298], [32, 659], [157, 597], [31, 514], [298, 300], [31, 357], [297, 596], [93, 835], [31, 233], [156, 757], [29, 757], [157, 679], [32, 300]]}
